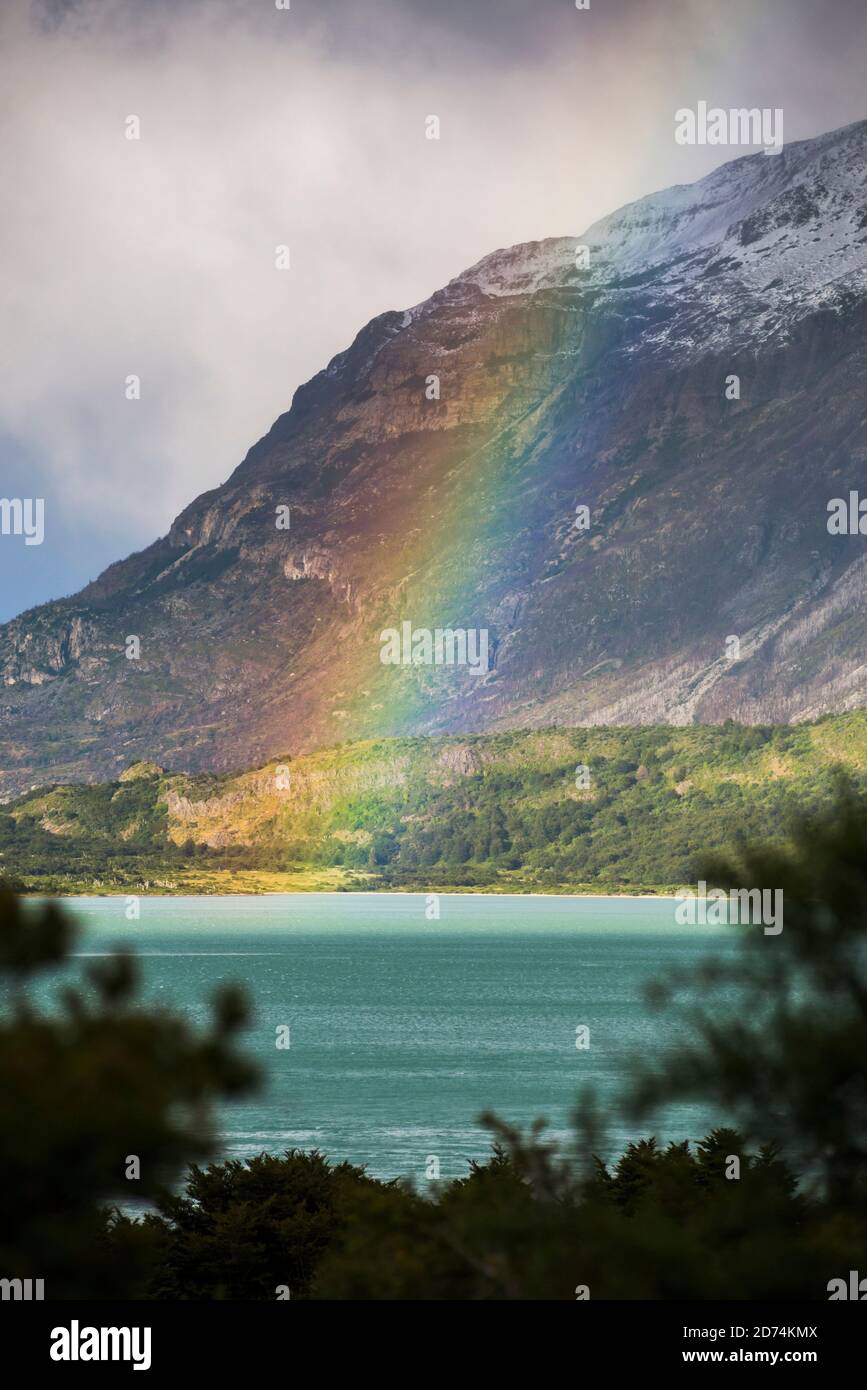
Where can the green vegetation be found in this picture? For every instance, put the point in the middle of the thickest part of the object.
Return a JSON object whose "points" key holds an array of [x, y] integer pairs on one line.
{"points": [[501, 812], [659, 1223], [85, 1087], [774, 1209]]}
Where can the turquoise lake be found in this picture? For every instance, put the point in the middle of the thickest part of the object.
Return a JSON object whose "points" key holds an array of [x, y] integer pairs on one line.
{"points": [[403, 1029]]}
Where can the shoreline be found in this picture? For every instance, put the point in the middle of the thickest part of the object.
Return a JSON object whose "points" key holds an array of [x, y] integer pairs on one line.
{"points": [[366, 893]]}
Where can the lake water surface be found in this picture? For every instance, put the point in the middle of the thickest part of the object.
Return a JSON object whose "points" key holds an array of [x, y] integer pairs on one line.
{"points": [[403, 1029]]}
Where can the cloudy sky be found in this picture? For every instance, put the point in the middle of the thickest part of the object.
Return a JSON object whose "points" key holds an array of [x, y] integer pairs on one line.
{"points": [[305, 127]]}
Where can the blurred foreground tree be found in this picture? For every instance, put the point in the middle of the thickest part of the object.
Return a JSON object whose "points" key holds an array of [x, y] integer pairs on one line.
{"points": [[94, 1089], [788, 1063]]}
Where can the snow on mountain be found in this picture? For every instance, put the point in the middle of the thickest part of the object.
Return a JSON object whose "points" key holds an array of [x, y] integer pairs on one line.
{"points": [[776, 235]]}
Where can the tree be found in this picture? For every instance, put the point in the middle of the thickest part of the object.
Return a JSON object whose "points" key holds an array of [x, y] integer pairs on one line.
{"points": [[101, 1101], [789, 1065], [245, 1230]]}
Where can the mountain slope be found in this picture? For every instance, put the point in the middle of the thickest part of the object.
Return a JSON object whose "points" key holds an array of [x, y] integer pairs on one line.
{"points": [[560, 386]]}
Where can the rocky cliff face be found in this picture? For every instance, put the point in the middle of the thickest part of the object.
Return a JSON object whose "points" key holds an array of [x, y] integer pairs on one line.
{"points": [[433, 474]]}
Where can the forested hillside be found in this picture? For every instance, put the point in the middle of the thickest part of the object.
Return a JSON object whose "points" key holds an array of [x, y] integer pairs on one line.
{"points": [[558, 810]]}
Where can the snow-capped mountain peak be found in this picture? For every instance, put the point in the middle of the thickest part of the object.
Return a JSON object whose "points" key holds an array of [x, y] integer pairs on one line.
{"points": [[790, 228]]}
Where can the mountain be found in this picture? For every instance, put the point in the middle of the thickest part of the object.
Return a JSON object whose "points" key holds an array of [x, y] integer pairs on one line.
{"points": [[566, 379], [554, 810]]}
